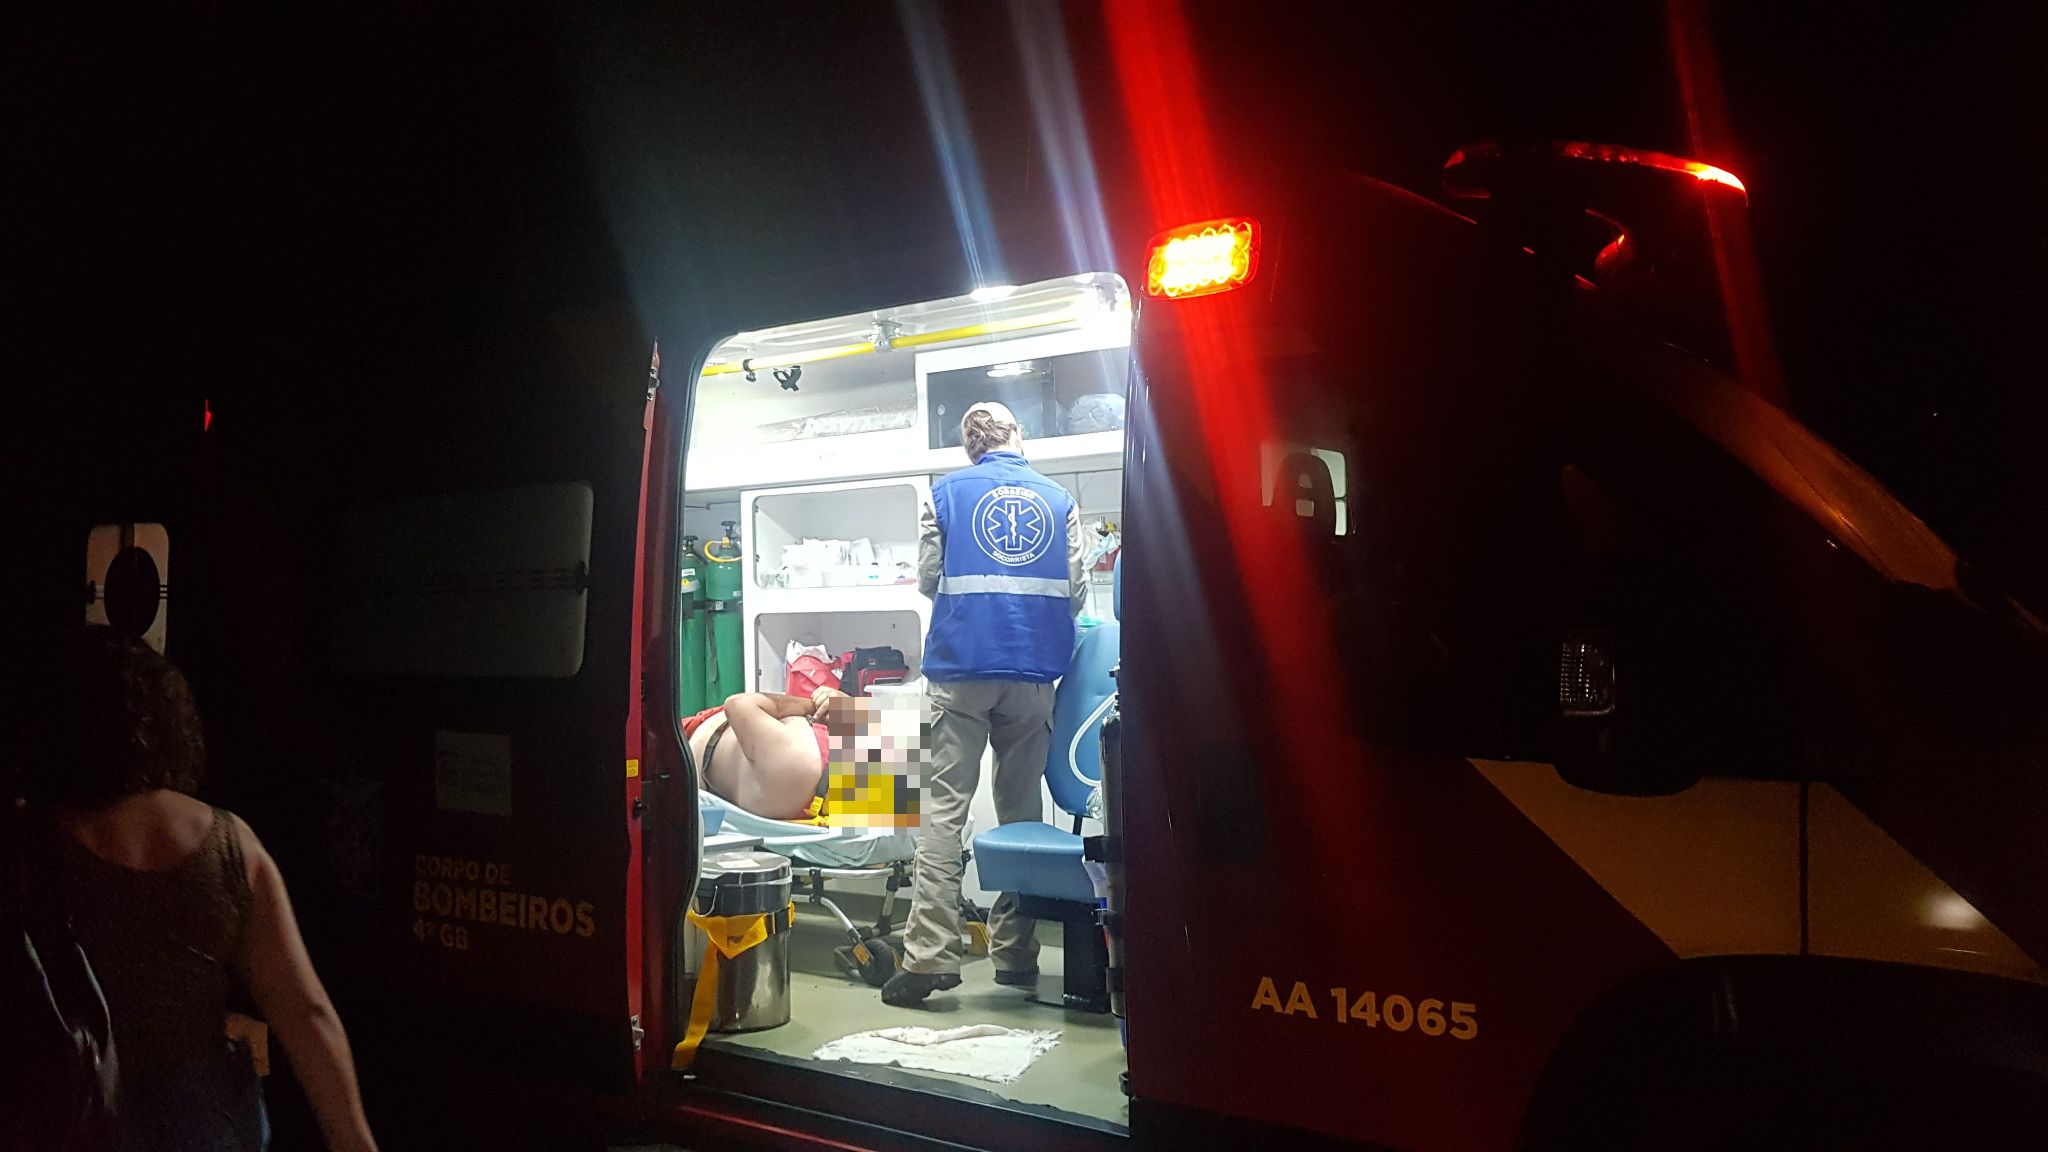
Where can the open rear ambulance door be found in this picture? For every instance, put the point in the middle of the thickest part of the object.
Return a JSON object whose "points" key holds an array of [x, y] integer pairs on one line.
{"points": [[479, 642], [661, 788]]}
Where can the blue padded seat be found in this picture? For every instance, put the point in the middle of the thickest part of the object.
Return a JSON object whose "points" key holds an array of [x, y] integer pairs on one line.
{"points": [[1041, 863], [1039, 859], [1034, 859]]}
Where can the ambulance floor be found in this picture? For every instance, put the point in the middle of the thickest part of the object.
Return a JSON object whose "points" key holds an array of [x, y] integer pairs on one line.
{"points": [[1079, 1076]]}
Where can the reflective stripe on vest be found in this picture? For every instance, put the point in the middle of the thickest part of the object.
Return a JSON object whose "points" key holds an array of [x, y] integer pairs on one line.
{"points": [[1013, 585]]}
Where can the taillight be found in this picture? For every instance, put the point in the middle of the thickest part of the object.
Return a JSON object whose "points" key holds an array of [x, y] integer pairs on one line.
{"points": [[1200, 259], [1585, 674]]}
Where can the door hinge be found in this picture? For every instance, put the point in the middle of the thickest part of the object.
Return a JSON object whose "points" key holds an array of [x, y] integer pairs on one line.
{"points": [[639, 1033]]}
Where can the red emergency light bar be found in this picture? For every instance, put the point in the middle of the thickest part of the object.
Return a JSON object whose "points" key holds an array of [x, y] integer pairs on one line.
{"points": [[1610, 154], [1583, 150], [1202, 259]]}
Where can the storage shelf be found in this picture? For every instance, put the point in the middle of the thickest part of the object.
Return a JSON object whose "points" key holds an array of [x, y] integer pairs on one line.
{"points": [[875, 598], [837, 628], [884, 511]]}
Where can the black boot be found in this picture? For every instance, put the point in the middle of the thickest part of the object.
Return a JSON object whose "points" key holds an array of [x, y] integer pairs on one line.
{"points": [[909, 989]]}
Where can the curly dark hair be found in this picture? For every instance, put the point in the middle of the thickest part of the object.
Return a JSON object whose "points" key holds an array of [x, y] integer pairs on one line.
{"points": [[129, 725]]}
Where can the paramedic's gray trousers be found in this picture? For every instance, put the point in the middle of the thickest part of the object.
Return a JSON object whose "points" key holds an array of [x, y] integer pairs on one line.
{"points": [[967, 716]]}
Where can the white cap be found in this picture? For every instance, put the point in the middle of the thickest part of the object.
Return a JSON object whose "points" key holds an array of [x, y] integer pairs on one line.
{"points": [[999, 411]]}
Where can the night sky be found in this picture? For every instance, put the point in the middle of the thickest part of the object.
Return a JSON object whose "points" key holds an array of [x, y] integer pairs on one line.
{"points": [[259, 206]]}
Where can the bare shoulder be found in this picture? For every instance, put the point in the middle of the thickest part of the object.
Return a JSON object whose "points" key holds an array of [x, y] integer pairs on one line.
{"points": [[255, 857], [185, 820]]}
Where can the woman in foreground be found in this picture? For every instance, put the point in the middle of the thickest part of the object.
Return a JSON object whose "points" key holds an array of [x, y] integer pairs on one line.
{"points": [[175, 901]]}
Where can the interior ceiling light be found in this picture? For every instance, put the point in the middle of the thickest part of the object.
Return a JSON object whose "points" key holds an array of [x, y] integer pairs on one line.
{"points": [[1016, 369], [990, 293], [895, 340]]}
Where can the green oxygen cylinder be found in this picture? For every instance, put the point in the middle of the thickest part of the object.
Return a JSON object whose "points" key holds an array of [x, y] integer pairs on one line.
{"points": [[691, 674], [722, 595]]}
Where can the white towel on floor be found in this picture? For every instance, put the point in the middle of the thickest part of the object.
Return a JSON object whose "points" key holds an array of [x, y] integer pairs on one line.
{"points": [[983, 1051]]}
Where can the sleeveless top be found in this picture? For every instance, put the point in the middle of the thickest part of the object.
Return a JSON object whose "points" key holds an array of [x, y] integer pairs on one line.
{"points": [[163, 945]]}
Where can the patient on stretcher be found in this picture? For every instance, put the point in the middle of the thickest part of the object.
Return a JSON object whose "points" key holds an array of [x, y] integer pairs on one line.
{"points": [[766, 751]]}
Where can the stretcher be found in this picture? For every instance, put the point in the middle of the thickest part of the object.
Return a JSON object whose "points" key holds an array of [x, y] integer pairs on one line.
{"points": [[819, 853]]}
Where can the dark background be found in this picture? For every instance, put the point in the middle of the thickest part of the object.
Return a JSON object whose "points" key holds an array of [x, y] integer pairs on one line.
{"points": [[257, 206], [311, 217]]}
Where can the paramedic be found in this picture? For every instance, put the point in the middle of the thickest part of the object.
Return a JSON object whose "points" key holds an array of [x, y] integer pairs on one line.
{"points": [[774, 765], [1000, 554]]}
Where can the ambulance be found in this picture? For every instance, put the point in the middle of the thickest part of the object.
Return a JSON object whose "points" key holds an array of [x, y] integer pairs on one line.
{"points": [[1522, 732], [1496, 722]]}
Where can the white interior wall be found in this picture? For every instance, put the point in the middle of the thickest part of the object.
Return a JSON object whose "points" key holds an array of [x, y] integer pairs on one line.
{"points": [[1099, 495], [741, 409], [746, 411], [871, 402]]}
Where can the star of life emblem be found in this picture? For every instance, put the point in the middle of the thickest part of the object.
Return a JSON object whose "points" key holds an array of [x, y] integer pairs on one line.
{"points": [[1013, 525]]}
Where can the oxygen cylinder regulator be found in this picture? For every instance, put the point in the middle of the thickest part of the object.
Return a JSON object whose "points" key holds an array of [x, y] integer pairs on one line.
{"points": [[722, 602]]}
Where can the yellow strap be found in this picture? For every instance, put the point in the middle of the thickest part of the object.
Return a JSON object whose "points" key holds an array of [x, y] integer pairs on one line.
{"points": [[726, 936], [700, 1011], [732, 935]]}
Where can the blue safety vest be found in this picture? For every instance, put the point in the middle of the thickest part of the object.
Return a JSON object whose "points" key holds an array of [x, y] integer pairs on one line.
{"points": [[1003, 609]]}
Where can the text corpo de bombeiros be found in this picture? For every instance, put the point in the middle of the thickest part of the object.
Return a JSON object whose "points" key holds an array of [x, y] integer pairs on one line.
{"points": [[483, 893]]}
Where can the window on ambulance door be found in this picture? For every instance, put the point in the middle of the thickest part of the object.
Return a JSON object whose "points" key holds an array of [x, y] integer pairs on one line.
{"points": [[1395, 657], [128, 580], [481, 584], [1313, 479]]}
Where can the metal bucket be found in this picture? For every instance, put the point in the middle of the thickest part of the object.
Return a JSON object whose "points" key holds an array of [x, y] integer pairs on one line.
{"points": [[753, 988]]}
